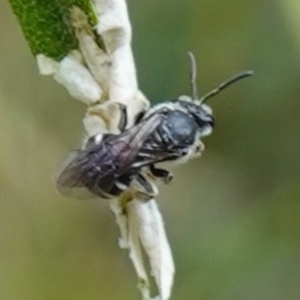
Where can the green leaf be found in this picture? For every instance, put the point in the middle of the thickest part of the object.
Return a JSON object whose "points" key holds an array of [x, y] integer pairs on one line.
{"points": [[46, 24]]}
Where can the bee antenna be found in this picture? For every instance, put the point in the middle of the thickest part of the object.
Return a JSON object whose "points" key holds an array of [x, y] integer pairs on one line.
{"points": [[225, 84], [193, 76]]}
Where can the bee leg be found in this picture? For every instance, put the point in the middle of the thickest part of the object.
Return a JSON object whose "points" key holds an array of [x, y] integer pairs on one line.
{"points": [[198, 148], [144, 190], [118, 188], [121, 184], [122, 122], [163, 174]]}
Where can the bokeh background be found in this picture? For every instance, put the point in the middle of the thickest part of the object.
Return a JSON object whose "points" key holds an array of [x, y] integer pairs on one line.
{"points": [[233, 216]]}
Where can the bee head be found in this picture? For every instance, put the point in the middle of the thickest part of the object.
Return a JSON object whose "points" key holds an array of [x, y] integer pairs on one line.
{"points": [[201, 112]]}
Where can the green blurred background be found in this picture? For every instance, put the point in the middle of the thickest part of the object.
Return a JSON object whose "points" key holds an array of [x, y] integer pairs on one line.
{"points": [[233, 216]]}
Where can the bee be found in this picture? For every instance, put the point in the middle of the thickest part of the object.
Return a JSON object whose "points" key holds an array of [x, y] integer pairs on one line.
{"points": [[171, 131], [106, 167]]}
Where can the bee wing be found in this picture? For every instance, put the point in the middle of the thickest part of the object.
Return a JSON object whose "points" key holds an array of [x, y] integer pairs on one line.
{"points": [[151, 154], [69, 178], [80, 193], [87, 173], [95, 170]]}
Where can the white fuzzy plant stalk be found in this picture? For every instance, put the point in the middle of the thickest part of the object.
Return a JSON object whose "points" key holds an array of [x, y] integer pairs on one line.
{"points": [[86, 46]]}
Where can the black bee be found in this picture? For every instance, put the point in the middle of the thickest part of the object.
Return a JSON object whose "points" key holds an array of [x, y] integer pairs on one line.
{"points": [[105, 168], [167, 132]]}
